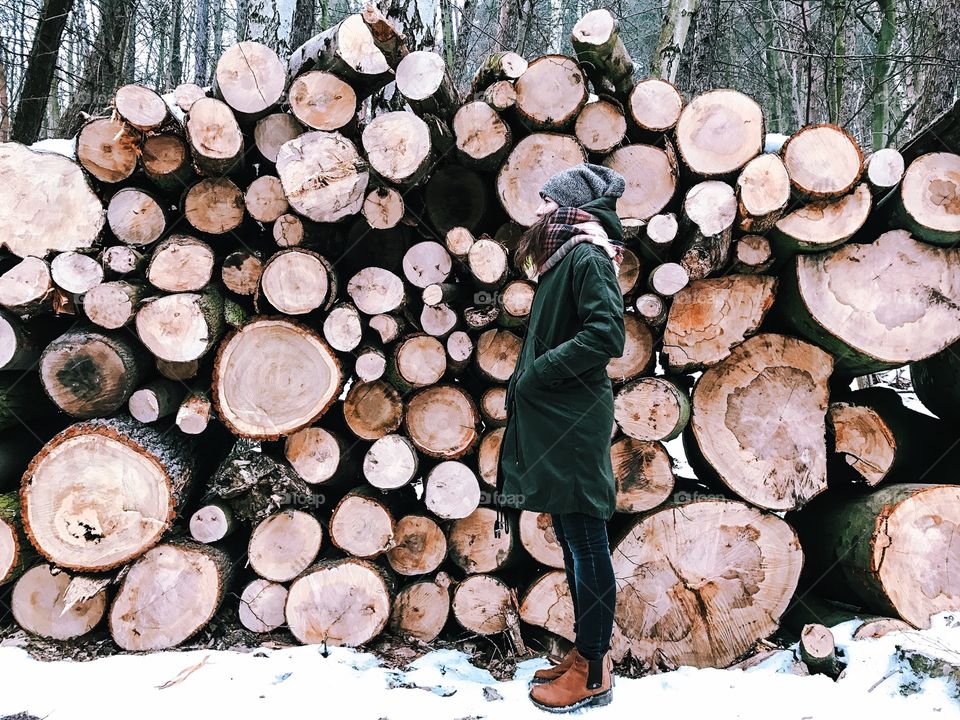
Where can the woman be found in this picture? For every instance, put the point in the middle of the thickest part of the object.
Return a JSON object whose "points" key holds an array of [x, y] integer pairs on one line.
{"points": [[555, 452]]}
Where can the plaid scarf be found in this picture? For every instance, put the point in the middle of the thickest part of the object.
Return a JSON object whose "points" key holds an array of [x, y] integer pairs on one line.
{"points": [[563, 233]]}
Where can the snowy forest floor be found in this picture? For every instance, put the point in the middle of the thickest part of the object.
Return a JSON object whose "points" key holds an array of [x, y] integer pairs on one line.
{"points": [[306, 681]]}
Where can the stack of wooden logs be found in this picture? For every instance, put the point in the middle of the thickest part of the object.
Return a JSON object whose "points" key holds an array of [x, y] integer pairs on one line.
{"points": [[255, 341]]}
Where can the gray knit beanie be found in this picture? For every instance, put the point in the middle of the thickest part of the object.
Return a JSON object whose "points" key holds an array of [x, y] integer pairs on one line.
{"points": [[582, 183]]}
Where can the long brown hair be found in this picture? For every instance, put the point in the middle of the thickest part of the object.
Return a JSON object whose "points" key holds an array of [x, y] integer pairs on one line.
{"points": [[531, 247]]}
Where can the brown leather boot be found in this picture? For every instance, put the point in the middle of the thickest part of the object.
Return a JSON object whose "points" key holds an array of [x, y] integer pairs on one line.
{"points": [[555, 671], [570, 692]]}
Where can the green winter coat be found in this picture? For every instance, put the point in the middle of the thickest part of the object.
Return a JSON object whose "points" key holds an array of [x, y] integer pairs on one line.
{"points": [[555, 452]]}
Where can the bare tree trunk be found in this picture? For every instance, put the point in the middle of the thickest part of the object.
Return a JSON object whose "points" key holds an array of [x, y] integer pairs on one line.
{"points": [[39, 73], [201, 73], [880, 119], [673, 37], [176, 61]]}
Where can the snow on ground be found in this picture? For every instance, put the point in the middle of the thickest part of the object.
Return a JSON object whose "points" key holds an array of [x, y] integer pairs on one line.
{"points": [[301, 682]]}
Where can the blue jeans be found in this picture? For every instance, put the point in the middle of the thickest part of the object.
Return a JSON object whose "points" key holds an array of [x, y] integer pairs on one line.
{"points": [[586, 558]]}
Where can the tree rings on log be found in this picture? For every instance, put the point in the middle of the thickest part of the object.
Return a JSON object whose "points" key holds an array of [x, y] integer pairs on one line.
{"points": [[654, 105], [708, 317], [441, 420], [214, 137], [272, 377], [376, 290], [339, 602], [421, 609], [483, 138], [823, 161], [637, 351], [651, 176], [169, 595], [538, 537], [250, 78], [362, 524], [372, 409], [322, 176], [101, 492], [383, 208], [284, 545], [181, 326], [107, 148], [398, 146], [719, 132], [824, 224], [322, 101], [46, 203], [264, 199], [701, 585], [551, 92], [759, 419], [39, 605], [140, 106], [497, 353], [214, 206], [600, 126], [451, 490], [643, 474], [530, 164], [482, 604], [180, 263], [261, 606], [651, 408], [547, 603], [864, 440], [473, 545], [419, 547], [296, 281], [929, 199], [876, 306], [763, 191]]}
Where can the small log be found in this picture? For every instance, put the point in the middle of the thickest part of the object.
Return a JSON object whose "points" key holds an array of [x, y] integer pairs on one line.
{"points": [[322, 175], [600, 49], [493, 406], [442, 421], [158, 398], [340, 602], [141, 107], [498, 66], [241, 271], [26, 289], [262, 606], [709, 210], [320, 456], [186, 94], [372, 409], [90, 374], [107, 148], [383, 208], [757, 573], [212, 523], [637, 351], [643, 474], [462, 183], [181, 326], [290, 230], [482, 604], [709, 317], [717, 154], [75, 273], [422, 79], [488, 262], [651, 175], [488, 456], [551, 92], [214, 206], [296, 281], [322, 101], [39, 605], [497, 353], [347, 50], [842, 300], [667, 279], [343, 327], [483, 138], [194, 414], [823, 224], [391, 462], [547, 603], [284, 545], [824, 161], [253, 405], [884, 170], [531, 162], [214, 136], [376, 290], [515, 301], [759, 421], [928, 204], [763, 191], [651, 409], [250, 78], [77, 490], [652, 309], [166, 160], [122, 260], [460, 347], [419, 546], [426, 263], [751, 254], [416, 361], [265, 200], [451, 490], [421, 609], [169, 595], [600, 126], [398, 146], [653, 108], [180, 263], [475, 549], [539, 539], [501, 96], [136, 217], [272, 131]]}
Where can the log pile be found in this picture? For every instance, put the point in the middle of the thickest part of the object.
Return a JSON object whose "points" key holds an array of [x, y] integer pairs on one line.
{"points": [[260, 334]]}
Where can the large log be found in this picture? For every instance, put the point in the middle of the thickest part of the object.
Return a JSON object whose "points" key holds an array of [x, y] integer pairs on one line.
{"points": [[824, 161], [531, 162], [284, 545], [442, 421], [399, 147], [702, 581], [180, 263], [539, 538], [887, 549], [169, 595], [322, 101], [245, 393], [476, 548], [214, 205], [928, 204], [759, 421], [719, 132], [39, 605], [654, 107], [296, 281], [482, 137], [601, 126], [372, 409], [16, 553], [108, 149], [551, 92], [421, 609], [181, 326], [651, 176], [875, 306], [46, 203], [419, 546], [250, 78], [216, 142], [104, 491], [601, 52]]}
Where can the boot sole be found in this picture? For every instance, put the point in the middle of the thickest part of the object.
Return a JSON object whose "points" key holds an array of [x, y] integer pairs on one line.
{"points": [[604, 698], [540, 681]]}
